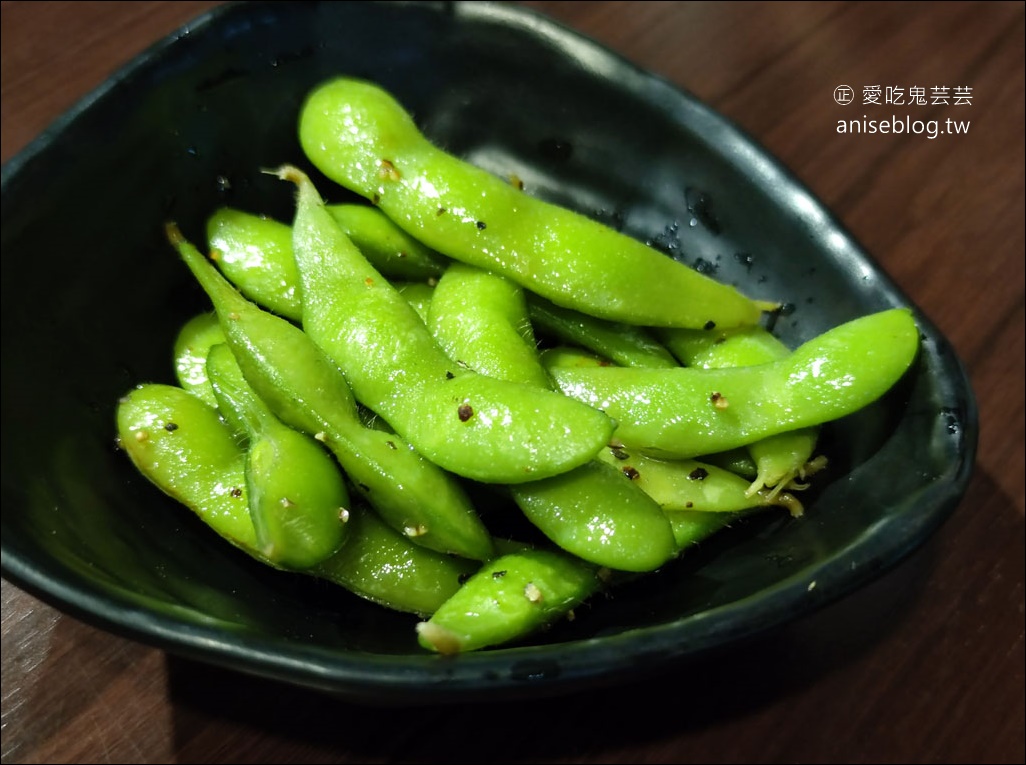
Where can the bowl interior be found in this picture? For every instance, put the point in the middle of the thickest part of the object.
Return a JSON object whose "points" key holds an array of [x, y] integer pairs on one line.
{"points": [[93, 298]]}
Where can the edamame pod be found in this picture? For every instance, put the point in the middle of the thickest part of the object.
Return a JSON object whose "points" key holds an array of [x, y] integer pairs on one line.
{"points": [[297, 498], [307, 391], [192, 344], [418, 295], [510, 597], [479, 427], [698, 498], [691, 527], [589, 511], [383, 566], [571, 356], [627, 345], [181, 445], [359, 136], [783, 459], [686, 413], [390, 250], [480, 320], [597, 515], [678, 485], [255, 253], [717, 348], [738, 461]]}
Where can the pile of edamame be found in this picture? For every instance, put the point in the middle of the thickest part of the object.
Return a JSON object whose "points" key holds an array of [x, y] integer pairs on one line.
{"points": [[366, 365]]}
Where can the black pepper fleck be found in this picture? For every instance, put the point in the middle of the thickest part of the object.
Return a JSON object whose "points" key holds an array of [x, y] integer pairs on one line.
{"points": [[619, 452]]}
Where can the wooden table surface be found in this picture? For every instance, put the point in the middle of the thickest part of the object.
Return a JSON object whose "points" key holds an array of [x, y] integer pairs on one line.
{"points": [[924, 665]]}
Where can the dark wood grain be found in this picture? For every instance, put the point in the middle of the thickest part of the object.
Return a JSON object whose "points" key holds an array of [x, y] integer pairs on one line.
{"points": [[924, 665]]}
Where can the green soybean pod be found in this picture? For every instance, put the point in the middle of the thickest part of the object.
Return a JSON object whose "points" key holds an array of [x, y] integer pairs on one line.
{"points": [[738, 461], [255, 253], [589, 511], [692, 527], [476, 426], [678, 485], [625, 344], [180, 444], [717, 348], [571, 356], [698, 498], [418, 295], [383, 566], [687, 413], [391, 250], [480, 320], [598, 516], [307, 391], [191, 346], [780, 460], [297, 497], [785, 461], [361, 137], [509, 598]]}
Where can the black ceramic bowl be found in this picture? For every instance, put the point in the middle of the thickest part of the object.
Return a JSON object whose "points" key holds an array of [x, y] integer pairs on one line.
{"points": [[93, 297]]}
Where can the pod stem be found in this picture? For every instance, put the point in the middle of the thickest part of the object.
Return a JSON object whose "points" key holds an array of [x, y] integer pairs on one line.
{"points": [[226, 299]]}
